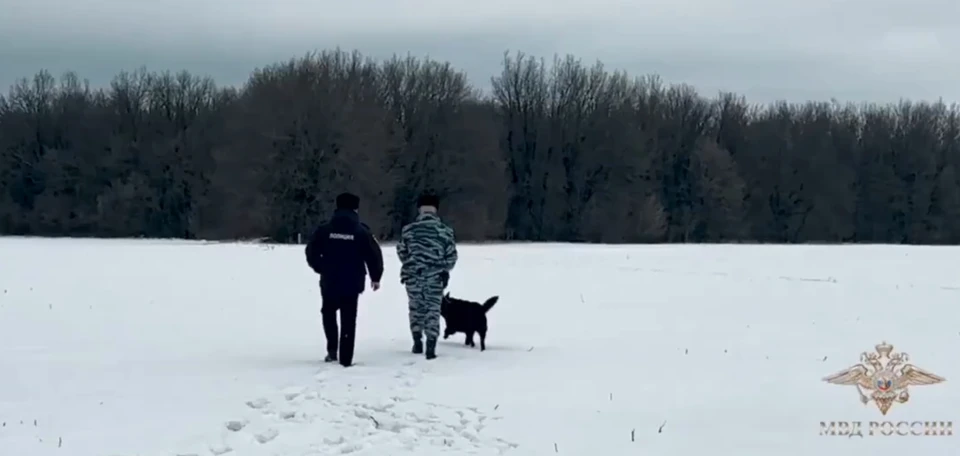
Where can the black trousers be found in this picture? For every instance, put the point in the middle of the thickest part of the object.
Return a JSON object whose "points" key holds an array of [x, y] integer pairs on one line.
{"points": [[344, 338]]}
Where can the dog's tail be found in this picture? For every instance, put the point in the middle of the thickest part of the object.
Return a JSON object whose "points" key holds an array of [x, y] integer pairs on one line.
{"points": [[489, 304]]}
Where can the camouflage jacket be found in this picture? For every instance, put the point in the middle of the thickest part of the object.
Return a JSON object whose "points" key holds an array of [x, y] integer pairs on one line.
{"points": [[427, 249]]}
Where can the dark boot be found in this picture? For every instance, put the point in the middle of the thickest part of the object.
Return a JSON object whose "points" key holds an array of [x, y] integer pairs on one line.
{"points": [[330, 358], [348, 328], [431, 348], [417, 343]]}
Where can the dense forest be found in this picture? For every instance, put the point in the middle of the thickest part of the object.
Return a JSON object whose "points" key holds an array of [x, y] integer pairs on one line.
{"points": [[554, 151]]}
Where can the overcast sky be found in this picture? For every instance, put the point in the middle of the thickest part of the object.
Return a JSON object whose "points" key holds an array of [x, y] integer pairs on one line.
{"points": [[856, 50]]}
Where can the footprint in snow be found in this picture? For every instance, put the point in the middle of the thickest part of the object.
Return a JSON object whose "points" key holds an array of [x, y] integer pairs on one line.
{"points": [[236, 425], [217, 450], [267, 435], [258, 403]]}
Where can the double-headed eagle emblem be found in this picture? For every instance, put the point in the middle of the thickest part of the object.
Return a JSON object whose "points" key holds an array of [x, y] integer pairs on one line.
{"points": [[885, 375]]}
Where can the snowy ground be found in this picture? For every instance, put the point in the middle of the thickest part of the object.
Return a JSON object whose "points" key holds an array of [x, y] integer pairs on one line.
{"points": [[159, 348]]}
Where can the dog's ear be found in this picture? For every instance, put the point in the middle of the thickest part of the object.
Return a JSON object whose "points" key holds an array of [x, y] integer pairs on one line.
{"points": [[447, 295]]}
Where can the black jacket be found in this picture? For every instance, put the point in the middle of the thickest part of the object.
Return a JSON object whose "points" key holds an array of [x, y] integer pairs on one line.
{"points": [[339, 249]]}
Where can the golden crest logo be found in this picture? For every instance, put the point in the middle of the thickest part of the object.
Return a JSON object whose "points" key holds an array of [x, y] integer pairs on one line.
{"points": [[884, 377]]}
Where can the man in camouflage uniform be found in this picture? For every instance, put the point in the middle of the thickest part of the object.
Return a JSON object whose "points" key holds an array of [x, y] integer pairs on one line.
{"points": [[428, 252]]}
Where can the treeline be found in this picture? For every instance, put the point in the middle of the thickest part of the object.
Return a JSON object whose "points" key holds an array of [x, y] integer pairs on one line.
{"points": [[561, 152]]}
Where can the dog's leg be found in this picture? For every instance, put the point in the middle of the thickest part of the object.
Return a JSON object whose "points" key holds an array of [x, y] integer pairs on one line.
{"points": [[483, 340], [447, 333], [469, 340]]}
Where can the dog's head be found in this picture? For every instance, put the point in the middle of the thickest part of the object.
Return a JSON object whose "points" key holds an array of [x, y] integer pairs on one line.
{"points": [[450, 300], [445, 304]]}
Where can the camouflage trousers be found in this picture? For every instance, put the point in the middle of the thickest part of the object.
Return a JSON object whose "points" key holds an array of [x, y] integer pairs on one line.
{"points": [[425, 297]]}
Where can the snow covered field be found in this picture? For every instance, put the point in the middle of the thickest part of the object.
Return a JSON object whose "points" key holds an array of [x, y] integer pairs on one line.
{"points": [[160, 347]]}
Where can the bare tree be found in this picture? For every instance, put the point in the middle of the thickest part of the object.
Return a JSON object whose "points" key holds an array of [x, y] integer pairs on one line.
{"points": [[520, 93]]}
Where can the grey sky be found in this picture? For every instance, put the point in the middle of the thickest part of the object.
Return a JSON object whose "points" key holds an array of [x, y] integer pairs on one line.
{"points": [[858, 50]]}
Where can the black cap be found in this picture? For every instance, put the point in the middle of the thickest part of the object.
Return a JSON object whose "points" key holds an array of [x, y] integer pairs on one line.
{"points": [[428, 199], [348, 201]]}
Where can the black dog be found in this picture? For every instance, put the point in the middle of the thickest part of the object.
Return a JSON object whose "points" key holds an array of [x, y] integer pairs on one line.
{"points": [[467, 317]]}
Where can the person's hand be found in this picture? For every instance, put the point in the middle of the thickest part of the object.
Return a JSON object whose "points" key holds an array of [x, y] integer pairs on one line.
{"points": [[375, 285]]}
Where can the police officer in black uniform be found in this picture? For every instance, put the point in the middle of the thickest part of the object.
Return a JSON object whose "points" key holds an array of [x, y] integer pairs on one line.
{"points": [[342, 251]]}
